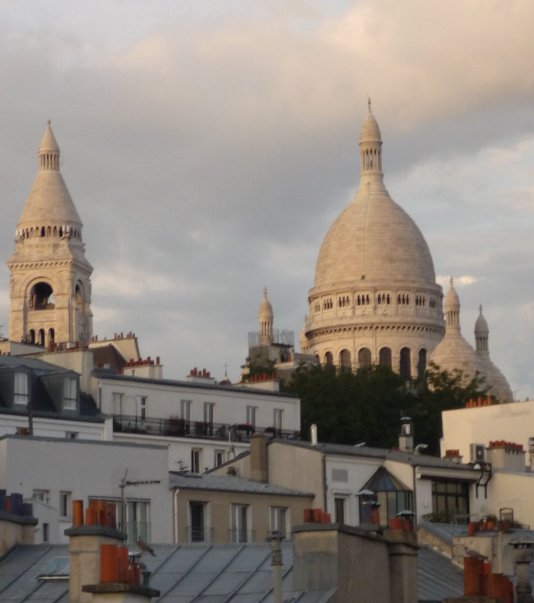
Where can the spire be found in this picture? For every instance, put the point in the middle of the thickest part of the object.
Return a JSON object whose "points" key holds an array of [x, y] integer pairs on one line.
{"points": [[265, 320], [370, 146], [451, 305], [49, 151], [481, 333]]}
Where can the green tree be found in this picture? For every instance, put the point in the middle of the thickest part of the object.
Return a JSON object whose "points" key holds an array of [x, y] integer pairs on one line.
{"points": [[366, 406]]}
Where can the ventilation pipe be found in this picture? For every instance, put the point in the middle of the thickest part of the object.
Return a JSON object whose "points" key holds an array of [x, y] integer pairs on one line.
{"points": [[313, 434]]}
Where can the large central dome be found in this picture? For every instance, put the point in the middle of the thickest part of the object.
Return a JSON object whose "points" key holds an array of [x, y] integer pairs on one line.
{"points": [[375, 297], [373, 239]]}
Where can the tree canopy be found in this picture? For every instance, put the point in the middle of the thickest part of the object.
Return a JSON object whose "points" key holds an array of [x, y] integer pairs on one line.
{"points": [[366, 406]]}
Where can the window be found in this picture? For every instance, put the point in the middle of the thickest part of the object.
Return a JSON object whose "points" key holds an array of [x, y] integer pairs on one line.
{"points": [[116, 401], [277, 520], [64, 505], [185, 411], [339, 509], [450, 500], [384, 357], [208, 417], [71, 435], [138, 520], [197, 521], [364, 358], [251, 416], [421, 364], [142, 407], [389, 492], [21, 390], [46, 532], [41, 496], [405, 363], [345, 360], [70, 393], [218, 458], [239, 523], [195, 460]]}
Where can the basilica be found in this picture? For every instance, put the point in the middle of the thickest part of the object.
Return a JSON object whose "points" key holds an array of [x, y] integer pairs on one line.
{"points": [[375, 299]]}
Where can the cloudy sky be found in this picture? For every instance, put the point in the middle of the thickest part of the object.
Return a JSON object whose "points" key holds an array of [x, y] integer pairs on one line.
{"points": [[208, 145]]}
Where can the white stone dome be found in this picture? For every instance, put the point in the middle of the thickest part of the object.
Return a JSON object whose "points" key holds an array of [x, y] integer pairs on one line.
{"points": [[374, 240], [375, 298]]}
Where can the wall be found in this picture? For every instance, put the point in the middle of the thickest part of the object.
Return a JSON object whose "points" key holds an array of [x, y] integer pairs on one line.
{"points": [[512, 490], [357, 471], [85, 469], [512, 422], [54, 428], [179, 449], [298, 468], [218, 513], [361, 566], [163, 401]]}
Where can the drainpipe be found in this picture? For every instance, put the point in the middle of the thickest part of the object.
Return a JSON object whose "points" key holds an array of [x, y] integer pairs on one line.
{"points": [[325, 485], [415, 467], [175, 515]]}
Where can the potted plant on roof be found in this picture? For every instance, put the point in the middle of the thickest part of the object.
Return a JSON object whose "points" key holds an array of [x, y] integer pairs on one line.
{"points": [[491, 522]]}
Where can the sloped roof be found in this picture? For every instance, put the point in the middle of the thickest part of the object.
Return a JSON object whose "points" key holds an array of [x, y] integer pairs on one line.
{"points": [[437, 577], [228, 483], [237, 573], [240, 573], [383, 481]]}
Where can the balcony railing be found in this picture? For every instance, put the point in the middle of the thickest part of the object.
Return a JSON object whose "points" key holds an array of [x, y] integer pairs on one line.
{"points": [[180, 428]]}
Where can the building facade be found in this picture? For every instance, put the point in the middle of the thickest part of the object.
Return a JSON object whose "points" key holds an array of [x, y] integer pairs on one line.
{"points": [[50, 293]]}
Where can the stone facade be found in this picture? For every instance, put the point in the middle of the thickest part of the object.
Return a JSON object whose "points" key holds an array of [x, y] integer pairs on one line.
{"points": [[50, 290], [375, 298]]}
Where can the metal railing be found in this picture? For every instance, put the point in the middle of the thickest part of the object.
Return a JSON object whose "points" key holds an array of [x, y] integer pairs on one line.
{"points": [[176, 427]]}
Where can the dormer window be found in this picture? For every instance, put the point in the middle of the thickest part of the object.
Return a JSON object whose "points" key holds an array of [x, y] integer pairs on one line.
{"points": [[21, 391], [70, 393]]}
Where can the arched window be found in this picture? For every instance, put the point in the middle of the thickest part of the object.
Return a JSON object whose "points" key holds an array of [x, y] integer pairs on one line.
{"points": [[51, 335], [41, 337], [405, 363], [42, 297], [364, 358], [345, 360], [421, 364], [79, 295], [328, 359], [384, 357], [32, 335]]}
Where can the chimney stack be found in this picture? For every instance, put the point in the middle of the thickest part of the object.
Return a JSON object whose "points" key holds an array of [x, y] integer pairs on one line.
{"points": [[406, 435], [259, 458]]}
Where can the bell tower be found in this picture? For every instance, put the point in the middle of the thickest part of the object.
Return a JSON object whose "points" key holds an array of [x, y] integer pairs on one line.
{"points": [[50, 286]]}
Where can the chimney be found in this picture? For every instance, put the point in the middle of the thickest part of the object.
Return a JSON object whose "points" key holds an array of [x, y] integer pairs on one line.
{"points": [[406, 435], [85, 539], [17, 523], [122, 578], [259, 458], [531, 453]]}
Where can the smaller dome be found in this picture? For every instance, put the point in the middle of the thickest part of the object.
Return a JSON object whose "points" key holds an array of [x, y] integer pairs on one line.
{"points": [[451, 300], [481, 325]]}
